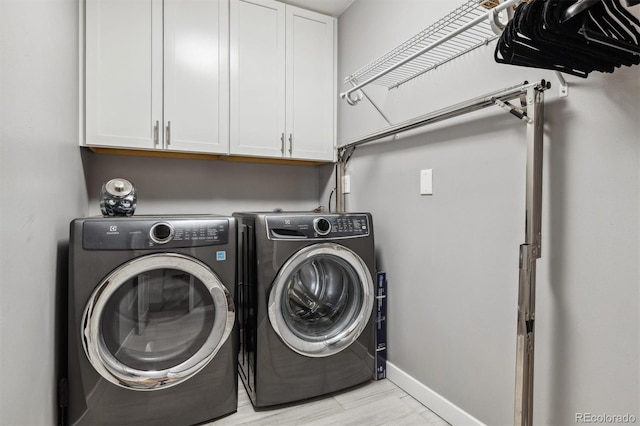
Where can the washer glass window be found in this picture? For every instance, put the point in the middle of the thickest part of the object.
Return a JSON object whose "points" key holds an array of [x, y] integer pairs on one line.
{"points": [[321, 297], [157, 319], [321, 300]]}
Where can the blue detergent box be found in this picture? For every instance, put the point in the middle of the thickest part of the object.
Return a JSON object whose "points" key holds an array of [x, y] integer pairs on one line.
{"points": [[381, 327]]}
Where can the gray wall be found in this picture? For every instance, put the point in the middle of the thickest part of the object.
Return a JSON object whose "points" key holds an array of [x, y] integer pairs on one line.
{"points": [[45, 182], [452, 258], [41, 190], [186, 186]]}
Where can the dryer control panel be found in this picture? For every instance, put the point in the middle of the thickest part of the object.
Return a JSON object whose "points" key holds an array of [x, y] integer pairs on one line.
{"points": [[330, 226], [137, 234]]}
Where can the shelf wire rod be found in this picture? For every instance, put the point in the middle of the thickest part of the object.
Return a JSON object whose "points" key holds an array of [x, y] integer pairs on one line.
{"points": [[401, 82], [464, 43], [461, 47], [440, 58], [455, 32], [458, 44], [476, 32], [449, 20], [436, 57]]}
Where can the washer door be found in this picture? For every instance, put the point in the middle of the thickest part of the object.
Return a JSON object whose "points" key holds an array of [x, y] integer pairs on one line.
{"points": [[321, 300], [156, 321]]}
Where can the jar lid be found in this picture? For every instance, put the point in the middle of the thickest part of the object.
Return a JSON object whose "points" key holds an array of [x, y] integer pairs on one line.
{"points": [[118, 187]]}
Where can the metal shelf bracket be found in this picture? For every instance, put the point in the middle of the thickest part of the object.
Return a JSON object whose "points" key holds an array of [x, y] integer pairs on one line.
{"points": [[564, 86]]}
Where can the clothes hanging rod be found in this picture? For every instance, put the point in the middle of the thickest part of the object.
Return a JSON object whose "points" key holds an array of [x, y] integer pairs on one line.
{"points": [[461, 108], [490, 15], [530, 250]]}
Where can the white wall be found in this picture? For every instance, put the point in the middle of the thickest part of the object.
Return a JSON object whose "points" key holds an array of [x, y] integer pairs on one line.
{"points": [[452, 258], [41, 190]]}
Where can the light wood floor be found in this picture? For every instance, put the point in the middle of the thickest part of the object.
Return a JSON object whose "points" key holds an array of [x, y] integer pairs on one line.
{"points": [[376, 403]]}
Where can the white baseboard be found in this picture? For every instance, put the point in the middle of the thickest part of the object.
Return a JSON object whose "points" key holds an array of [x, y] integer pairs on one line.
{"points": [[444, 408]]}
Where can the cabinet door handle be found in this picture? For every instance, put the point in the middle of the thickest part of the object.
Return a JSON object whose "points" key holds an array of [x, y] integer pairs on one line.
{"points": [[290, 143], [156, 130], [168, 137], [282, 143]]}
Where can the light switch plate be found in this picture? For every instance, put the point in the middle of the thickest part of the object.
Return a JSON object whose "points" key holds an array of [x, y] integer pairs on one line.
{"points": [[426, 182], [346, 184]]}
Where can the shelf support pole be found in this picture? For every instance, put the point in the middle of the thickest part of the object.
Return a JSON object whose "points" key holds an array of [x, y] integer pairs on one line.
{"points": [[530, 251], [340, 166]]}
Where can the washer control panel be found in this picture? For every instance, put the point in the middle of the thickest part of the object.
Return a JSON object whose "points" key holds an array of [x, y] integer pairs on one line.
{"points": [[330, 226], [140, 234]]}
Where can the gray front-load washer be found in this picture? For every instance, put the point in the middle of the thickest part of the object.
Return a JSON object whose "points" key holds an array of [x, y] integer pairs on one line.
{"points": [[151, 326], [305, 304]]}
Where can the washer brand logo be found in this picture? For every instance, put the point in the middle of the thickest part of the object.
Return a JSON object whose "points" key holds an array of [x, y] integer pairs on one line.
{"points": [[113, 228]]}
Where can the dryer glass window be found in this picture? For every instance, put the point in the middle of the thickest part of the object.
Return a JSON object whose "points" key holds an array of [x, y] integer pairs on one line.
{"points": [[157, 319], [321, 298]]}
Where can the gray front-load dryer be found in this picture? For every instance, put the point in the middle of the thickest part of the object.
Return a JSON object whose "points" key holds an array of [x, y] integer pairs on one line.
{"points": [[305, 304], [151, 326]]}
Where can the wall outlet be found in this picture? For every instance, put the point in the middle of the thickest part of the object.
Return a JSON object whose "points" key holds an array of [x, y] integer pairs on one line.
{"points": [[426, 182], [346, 184]]}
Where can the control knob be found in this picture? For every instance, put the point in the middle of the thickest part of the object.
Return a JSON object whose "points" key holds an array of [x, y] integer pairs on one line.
{"points": [[161, 233], [322, 226]]}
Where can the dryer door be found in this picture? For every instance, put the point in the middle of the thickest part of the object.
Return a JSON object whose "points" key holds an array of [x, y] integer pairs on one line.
{"points": [[156, 321], [321, 299]]}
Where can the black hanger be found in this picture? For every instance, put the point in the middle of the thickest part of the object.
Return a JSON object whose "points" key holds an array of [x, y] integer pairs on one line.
{"points": [[601, 58], [601, 36], [576, 8], [611, 25], [613, 20], [596, 37], [525, 43]]}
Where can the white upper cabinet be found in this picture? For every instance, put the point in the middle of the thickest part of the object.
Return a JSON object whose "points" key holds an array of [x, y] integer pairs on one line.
{"points": [[311, 94], [196, 75], [257, 55], [157, 74], [282, 81], [123, 72]]}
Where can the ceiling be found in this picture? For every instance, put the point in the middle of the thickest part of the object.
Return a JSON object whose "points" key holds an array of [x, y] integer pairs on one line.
{"points": [[328, 7]]}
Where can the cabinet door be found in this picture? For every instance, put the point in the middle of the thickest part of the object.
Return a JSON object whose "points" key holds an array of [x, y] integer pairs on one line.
{"points": [[123, 72], [257, 56], [311, 93], [196, 76]]}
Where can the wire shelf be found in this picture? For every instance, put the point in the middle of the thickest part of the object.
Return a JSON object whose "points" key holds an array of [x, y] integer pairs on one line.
{"points": [[461, 31]]}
